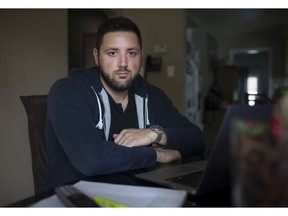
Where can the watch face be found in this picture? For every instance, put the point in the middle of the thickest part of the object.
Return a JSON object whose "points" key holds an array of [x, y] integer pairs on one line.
{"points": [[157, 128]]}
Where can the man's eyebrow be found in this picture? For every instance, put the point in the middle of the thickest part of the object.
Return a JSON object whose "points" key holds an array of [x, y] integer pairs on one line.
{"points": [[111, 48], [133, 48], [115, 49]]}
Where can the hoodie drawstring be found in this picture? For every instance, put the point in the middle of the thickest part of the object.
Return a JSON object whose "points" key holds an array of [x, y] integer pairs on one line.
{"points": [[100, 122]]}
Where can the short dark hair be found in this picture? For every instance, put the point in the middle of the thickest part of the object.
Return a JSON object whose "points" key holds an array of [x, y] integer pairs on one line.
{"points": [[117, 24]]}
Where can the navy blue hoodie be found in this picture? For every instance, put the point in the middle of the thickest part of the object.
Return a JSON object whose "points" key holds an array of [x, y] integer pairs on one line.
{"points": [[78, 123]]}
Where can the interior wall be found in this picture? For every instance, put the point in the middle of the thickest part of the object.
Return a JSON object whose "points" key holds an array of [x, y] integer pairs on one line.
{"points": [[242, 42], [33, 55]]}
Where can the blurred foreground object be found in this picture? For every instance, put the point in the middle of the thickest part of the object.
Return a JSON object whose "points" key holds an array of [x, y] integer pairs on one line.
{"points": [[260, 159]]}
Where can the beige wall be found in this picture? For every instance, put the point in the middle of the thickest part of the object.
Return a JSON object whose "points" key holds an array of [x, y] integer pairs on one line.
{"points": [[33, 54]]}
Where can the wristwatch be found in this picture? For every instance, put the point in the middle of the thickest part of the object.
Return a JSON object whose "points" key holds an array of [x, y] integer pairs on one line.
{"points": [[159, 131]]}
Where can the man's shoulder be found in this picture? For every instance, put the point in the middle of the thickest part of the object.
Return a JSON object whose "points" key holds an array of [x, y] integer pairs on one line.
{"points": [[86, 77], [143, 87], [83, 71]]}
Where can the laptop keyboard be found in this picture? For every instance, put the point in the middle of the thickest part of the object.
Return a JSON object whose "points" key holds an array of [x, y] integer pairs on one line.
{"points": [[190, 179]]}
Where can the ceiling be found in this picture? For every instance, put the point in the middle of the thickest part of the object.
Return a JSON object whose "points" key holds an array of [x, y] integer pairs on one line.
{"points": [[244, 21]]}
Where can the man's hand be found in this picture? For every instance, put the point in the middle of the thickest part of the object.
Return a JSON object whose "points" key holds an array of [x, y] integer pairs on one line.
{"points": [[135, 137], [143, 137], [167, 155]]}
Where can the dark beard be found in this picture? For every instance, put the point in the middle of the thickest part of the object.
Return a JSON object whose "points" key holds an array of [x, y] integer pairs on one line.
{"points": [[114, 84]]}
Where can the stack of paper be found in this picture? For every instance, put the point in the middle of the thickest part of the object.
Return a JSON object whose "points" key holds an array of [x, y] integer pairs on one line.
{"points": [[131, 196]]}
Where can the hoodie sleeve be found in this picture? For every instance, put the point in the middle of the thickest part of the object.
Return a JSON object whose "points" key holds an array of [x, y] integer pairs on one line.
{"points": [[181, 134], [72, 115]]}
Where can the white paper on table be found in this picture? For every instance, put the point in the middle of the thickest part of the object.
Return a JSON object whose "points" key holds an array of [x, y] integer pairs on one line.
{"points": [[131, 196]]}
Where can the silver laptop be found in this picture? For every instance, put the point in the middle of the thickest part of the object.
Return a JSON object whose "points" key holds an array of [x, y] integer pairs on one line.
{"points": [[205, 176]]}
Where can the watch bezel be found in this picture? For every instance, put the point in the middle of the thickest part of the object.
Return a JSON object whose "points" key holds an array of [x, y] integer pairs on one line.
{"points": [[159, 131]]}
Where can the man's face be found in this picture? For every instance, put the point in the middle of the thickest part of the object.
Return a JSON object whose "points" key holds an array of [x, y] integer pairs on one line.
{"points": [[119, 60]]}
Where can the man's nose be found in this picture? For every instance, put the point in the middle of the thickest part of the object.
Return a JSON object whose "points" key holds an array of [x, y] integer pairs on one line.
{"points": [[123, 61]]}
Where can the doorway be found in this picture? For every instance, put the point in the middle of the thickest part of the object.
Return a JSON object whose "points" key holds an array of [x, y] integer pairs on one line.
{"points": [[82, 28], [257, 63]]}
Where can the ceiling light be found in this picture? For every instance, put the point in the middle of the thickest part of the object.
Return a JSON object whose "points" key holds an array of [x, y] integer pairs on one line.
{"points": [[252, 51]]}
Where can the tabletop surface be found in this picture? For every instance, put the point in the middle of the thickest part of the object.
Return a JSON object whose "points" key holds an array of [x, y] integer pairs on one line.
{"points": [[217, 198]]}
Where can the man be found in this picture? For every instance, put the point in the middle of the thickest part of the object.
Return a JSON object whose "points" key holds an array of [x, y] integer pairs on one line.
{"points": [[108, 119]]}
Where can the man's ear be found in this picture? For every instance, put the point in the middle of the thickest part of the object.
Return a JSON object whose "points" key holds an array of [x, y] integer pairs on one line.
{"points": [[96, 56]]}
